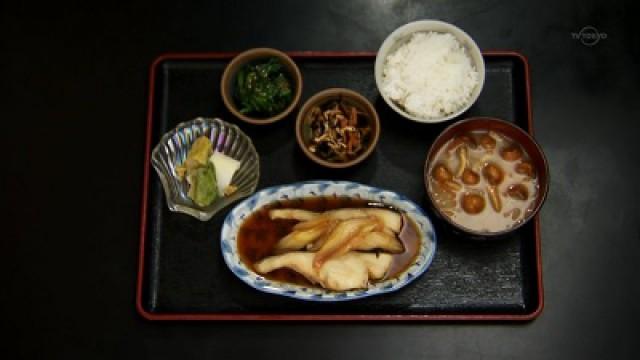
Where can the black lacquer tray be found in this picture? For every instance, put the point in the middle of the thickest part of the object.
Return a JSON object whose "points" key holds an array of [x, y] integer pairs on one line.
{"points": [[182, 275]]}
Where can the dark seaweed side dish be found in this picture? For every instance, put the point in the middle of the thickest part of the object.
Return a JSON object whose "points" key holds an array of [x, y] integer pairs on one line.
{"points": [[262, 88]]}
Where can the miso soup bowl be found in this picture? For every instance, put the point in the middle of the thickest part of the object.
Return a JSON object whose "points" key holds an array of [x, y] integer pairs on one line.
{"points": [[514, 132]]}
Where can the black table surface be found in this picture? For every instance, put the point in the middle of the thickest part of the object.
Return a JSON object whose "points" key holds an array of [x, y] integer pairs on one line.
{"points": [[74, 86]]}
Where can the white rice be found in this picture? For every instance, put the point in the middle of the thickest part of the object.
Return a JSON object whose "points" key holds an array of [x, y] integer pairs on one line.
{"points": [[430, 76]]}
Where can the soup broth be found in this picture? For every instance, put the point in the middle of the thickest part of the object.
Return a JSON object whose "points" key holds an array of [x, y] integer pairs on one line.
{"points": [[483, 181]]}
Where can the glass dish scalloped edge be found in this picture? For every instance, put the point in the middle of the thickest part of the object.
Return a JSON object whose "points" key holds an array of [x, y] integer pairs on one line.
{"points": [[226, 138]]}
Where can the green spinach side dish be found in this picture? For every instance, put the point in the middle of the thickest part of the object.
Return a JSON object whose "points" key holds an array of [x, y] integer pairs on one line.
{"points": [[262, 89]]}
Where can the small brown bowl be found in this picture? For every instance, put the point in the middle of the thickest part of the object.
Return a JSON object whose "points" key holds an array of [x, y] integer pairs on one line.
{"points": [[322, 98], [515, 133], [229, 75]]}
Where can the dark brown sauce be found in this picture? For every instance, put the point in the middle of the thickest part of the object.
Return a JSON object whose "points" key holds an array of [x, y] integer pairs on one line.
{"points": [[259, 234]]}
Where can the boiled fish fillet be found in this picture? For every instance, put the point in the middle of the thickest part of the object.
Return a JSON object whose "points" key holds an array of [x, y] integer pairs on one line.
{"points": [[391, 219], [344, 273], [300, 262], [297, 240], [292, 214], [352, 270], [377, 264], [342, 239], [379, 240], [312, 239]]}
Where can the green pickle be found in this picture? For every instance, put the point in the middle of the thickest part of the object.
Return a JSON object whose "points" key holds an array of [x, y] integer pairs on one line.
{"points": [[204, 188]]}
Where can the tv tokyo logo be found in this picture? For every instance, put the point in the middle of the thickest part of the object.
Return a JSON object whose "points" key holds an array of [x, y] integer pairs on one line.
{"points": [[589, 36]]}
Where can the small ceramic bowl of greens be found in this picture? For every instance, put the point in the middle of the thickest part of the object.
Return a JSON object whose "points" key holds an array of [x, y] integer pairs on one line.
{"points": [[261, 86]]}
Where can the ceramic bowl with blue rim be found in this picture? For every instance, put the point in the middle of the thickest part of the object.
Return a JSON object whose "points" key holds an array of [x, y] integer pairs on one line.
{"points": [[243, 210]]}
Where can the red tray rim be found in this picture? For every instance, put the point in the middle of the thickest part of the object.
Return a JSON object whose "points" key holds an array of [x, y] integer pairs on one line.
{"points": [[318, 317]]}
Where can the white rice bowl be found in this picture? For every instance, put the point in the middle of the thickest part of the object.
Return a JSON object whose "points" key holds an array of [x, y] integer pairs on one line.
{"points": [[430, 76], [429, 71]]}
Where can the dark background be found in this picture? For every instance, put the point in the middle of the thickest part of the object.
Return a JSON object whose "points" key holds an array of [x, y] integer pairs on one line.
{"points": [[73, 89]]}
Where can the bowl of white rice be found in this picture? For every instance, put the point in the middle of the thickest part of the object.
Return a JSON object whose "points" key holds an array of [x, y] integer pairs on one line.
{"points": [[429, 71]]}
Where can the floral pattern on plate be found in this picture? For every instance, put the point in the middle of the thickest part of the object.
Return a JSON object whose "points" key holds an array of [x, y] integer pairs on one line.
{"points": [[236, 217]]}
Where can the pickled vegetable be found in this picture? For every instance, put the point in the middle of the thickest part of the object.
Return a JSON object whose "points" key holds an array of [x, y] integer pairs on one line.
{"points": [[196, 157], [208, 175], [203, 190]]}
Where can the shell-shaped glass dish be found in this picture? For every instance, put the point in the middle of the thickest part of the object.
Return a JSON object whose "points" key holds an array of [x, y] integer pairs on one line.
{"points": [[226, 138]]}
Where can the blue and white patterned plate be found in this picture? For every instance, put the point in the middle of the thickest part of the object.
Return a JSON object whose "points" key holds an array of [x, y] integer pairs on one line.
{"points": [[243, 210]]}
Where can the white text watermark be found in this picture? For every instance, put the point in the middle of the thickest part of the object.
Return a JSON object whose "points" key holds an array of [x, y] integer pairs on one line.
{"points": [[589, 35]]}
